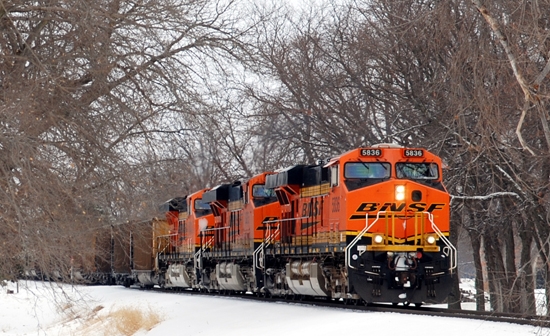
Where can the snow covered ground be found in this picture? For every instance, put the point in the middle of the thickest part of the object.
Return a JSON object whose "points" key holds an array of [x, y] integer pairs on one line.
{"points": [[46, 309]]}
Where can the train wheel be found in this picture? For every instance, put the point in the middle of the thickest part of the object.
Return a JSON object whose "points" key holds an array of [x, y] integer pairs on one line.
{"points": [[418, 304]]}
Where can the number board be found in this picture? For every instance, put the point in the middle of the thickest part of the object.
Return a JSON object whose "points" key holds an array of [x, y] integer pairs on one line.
{"points": [[371, 152], [413, 152]]}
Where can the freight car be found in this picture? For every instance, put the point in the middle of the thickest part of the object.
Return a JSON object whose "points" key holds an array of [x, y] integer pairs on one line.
{"points": [[371, 224], [101, 259]]}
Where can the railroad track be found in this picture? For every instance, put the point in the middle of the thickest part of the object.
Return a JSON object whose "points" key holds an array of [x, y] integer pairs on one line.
{"points": [[538, 321]]}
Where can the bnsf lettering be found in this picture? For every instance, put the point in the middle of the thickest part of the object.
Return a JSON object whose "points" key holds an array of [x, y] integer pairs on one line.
{"points": [[367, 207], [417, 206], [392, 207], [435, 206], [370, 207], [310, 209]]}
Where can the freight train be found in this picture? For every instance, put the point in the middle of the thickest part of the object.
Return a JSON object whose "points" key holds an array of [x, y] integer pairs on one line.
{"points": [[371, 224]]}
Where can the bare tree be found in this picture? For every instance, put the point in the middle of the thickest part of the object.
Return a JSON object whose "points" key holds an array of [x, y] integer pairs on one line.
{"points": [[90, 92]]}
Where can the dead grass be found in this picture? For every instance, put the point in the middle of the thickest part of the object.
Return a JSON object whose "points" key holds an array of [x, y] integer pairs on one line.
{"points": [[118, 321], [127, 321]]}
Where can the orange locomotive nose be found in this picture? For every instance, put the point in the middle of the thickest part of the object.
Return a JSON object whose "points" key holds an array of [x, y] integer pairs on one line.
{"points": [[401, 215]]}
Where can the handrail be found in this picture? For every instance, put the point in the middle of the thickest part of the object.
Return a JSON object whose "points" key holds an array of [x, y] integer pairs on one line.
{"points": [[285, 219], [168, 235], [159, 251], [259, 250], [254, 256], [451, 252], [198, 255], [220, 228], [418, 227], [197, 260], [359, 236]]}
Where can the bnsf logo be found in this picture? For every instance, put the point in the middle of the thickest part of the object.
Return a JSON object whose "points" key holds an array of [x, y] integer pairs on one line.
{"points": [[375, 207]]}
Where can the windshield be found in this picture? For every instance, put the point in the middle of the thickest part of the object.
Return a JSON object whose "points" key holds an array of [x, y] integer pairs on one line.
{"points": [[200, 205], [363, 170], [425, 171], [259, 190]]}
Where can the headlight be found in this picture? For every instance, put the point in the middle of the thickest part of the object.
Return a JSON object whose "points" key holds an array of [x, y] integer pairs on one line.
{"points": [[430, 240], [378, 239], [400, 192]]}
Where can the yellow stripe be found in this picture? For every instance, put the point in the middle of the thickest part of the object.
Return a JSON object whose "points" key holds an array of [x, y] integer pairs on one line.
{"points": [[317, 190], [235, 205], [337, 236], [403, 248]]}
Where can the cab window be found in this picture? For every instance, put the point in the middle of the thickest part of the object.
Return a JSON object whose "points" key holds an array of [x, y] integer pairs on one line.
{"points": [[262, 195], [417, 171], [366, 170], [200, 205], [202, 208], [259, 190]]}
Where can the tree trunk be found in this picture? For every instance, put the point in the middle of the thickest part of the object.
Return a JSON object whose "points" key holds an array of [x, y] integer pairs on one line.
{"points": [[511, 280], [495, 270], [476, 250], [541, 240], [528, 303]]}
